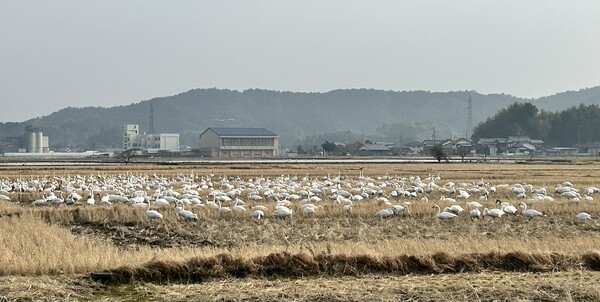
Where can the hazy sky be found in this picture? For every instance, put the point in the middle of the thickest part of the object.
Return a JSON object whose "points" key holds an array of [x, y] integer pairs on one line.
{"points": [[55, 54]]}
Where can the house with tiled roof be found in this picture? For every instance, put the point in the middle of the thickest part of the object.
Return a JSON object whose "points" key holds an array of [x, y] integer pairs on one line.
{"points": [[374, 150], [511, 144], [457, 146]]}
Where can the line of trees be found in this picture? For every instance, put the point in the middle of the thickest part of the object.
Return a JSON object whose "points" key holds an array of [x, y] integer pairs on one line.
{"points": [[569, 127]]}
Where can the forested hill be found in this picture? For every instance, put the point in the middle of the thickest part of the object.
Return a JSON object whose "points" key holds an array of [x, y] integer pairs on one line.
{"points": [[291, 114]]}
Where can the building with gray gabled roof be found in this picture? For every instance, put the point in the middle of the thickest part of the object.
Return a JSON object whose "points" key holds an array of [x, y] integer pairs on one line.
{"points": [[227, 131], [374, 149], [239, 142]]}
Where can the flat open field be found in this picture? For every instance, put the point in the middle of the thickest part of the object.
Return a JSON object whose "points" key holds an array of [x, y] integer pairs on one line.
{"points": [[330, 253]]}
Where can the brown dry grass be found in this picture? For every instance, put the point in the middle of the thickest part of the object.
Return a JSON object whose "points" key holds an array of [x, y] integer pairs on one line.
{"points": [[42, 248], [570, 286], [65, 240], [582, 173], [222, 266], [38, 248], [485, 286]]}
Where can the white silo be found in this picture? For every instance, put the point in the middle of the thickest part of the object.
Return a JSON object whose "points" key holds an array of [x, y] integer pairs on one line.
{"points": [[29, 140], [39, 137]]}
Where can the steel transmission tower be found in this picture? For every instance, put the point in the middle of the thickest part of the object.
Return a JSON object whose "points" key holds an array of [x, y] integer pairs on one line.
{"points": [[151, 130]]}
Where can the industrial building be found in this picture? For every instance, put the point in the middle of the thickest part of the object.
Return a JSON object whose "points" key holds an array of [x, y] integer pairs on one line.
{"points": [[239, 142], [31, 141], [151, 143]]}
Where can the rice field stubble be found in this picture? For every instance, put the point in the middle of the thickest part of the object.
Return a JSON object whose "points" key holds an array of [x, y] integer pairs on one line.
{"points": [[60, 241]]}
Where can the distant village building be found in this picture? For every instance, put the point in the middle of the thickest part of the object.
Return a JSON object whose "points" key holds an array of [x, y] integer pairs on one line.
{"points": [[521, 148], [457, 146], [413, 148], [374, 150], [511, 141], [239, 142], [511, 145], [523, 145], [593, 148], [492, 145], [562, 151], [390, 145], [151, 143], [428, 143]]}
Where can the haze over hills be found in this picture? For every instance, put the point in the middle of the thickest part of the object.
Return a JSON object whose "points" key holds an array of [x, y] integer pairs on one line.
{"points": [[293, 115]]}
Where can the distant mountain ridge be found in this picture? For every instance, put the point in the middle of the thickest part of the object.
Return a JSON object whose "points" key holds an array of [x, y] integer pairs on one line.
{"points": [[292, 115]]}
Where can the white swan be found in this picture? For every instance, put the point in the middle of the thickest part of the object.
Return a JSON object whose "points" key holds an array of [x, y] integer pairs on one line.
{"points": [[309, 210], [455, 209], [506, 207], [397, 209], [475, 213], [91, 199], [444, 198], [159, 201], [474, 204], [385, 213], [258, 214], [494, 213], [153, 214], [222, 209], [238, 205], [56, 200], [529, 213], [185, 213], [583, 216], [282, 212], [40, 202], [443, 215]]}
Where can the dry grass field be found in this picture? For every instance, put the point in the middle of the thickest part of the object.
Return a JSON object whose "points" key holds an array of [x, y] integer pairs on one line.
{"points": [[49, 252]]}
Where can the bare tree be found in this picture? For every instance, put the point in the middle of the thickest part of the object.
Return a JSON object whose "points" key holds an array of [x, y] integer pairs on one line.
{"points": [[463, 151], [127, 155], [438, 152]]}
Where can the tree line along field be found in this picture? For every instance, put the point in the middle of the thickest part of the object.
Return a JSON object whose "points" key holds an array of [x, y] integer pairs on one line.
{"points": [[331, 255]]}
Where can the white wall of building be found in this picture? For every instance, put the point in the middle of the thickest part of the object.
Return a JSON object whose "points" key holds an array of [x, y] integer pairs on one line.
{"points": [[169, 141], [45, 144], [150, 142], [131, 137], [211, 144]]}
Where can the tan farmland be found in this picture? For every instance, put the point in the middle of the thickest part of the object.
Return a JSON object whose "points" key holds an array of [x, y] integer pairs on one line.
{"points": [[48, 252]]}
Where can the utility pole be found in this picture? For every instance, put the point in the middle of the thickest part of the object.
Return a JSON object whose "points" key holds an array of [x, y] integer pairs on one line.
{"points": [[579, 134], [401, 145], [434, 136], [518, 140], [469, 117]]}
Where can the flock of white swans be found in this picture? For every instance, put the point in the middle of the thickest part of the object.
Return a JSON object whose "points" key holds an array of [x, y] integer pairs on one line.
{"points": [[281, 196]]}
